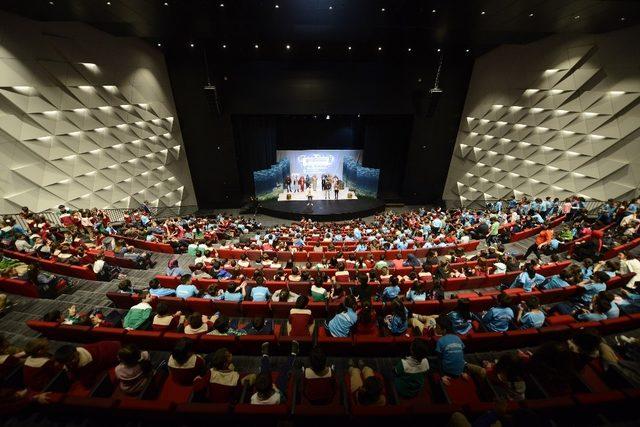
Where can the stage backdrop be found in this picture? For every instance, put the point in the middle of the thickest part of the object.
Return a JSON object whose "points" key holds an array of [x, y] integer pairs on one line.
{"points": [[318, 162]]}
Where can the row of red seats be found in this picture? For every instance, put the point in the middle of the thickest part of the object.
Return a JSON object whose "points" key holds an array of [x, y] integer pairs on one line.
{"points": [[357, 345], [529, 232], [80, 271], [19, 287], [303, 256], [451, 284], [164, 248], [613, 252], [479, 301]]}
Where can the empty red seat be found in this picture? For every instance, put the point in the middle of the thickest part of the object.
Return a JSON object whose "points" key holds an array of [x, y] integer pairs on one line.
{"points": [[426, 307], [201, 305], [255, 309]]}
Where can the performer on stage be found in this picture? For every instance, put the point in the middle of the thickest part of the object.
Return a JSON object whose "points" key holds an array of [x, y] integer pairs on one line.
{"points": [[336, 188], [307, 181], [314, 182], [287, 183], [309, 197], [301, 183], [326, 186]]}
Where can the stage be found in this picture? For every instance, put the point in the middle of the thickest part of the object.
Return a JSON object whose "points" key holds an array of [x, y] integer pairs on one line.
{"points": [[322, 210], [317, 195]]}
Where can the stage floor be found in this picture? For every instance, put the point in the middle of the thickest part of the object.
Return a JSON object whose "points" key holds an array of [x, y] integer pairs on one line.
{"points": [[322, 210], [317, 195]]}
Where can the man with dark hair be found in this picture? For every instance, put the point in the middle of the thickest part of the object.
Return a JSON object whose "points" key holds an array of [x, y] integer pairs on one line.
{"points": [[85, 363]]}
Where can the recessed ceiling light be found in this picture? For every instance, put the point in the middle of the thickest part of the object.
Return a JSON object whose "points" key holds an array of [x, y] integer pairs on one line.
{"points": [[576, 17], [108, 3], [531, 15], [409, 49], [348, 47], [623, 19], [433, 11], [330, 7], [482, 13], [277, 6], [256, 45], [466, 50], [221, 4], [379, 48], [191, 44], [159, 44], [288, 47], [224, 46], [318, 47], [438, 50], [382, 9]]}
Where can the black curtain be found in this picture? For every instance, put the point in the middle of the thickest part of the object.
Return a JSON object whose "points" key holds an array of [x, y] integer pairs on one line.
{"points": [[256, 143]]}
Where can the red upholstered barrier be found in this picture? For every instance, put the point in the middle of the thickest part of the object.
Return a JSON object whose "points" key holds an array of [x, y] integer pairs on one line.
{"points": [[82, 272]]}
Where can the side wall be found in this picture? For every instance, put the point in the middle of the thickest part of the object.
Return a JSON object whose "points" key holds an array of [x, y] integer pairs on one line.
{"points": [[86, 119], [556, 117]]}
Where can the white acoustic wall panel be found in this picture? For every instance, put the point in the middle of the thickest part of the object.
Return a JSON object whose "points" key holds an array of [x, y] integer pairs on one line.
{"points": [[556, 117], [86, 119]]}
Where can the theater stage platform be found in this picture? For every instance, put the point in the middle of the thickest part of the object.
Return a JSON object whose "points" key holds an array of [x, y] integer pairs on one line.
{"points": [[322, 210]]}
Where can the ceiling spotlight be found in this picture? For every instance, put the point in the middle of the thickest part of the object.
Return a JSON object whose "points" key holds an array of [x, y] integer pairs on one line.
{"points": [[277, 6], [288, 46], [166, 3], [348, 47], [433, 11], [438, 50], [466, 50], [382, 10], [191, 45], [159, 44], [531, 15], [328, 117], [482, 13], [409, 49], [318, 47], [51, 3], [623, 19], [224, 46], [379, 48], [108, 3], [256, 45], [330, 7], [221, 4], [576, 17]]}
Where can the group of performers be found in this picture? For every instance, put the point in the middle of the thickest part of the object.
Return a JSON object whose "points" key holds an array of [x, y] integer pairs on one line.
{"points": [[301, 183]]}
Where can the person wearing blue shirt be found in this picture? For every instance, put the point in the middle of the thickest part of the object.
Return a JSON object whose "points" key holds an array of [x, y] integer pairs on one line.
{"points": [[436, 224], [593, 287], [530, 315], [357, 233], [186, 289], [157, 291], [341, 324], [362, 247], [260, 293], [220, 273], [537, 218], [498, 206], [397, 322], [417, 292], [557, 281], [599, 309], [392, 291], [528, 279], [461, 317], [449, 348], [498, 319], [234, 294], [173, 269]]}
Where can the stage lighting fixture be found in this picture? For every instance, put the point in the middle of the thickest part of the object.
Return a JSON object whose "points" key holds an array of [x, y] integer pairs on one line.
{"points": [[438, 50], [108, 3], [51, 3], [166, 3], [623, 19]]}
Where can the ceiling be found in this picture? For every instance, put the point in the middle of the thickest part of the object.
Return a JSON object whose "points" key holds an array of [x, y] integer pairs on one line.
{"points": [[371, 27]]}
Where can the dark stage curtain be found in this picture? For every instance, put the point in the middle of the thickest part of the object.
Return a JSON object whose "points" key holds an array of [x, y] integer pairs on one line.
{"points": [[256, 144]]}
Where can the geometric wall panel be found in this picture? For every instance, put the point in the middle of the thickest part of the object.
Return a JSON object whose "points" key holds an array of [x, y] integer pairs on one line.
{"points": [[556, 117], [86, 119]]}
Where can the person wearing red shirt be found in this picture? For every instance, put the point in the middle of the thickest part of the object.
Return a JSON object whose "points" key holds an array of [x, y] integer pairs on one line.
{"points": [[542, 239]]}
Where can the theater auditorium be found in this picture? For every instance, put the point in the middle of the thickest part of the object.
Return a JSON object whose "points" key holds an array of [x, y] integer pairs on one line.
{"points": [[317, 212]]}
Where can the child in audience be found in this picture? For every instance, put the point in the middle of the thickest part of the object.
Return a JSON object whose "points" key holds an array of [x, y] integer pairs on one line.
{"points": [[300, 322], [319, 384], [498, 319], [39, 367], [224, 378], [557, 281], [367, 323], [260, 293], [235, 294], [417, 292], [410, 372], [134, 370], [184, 365], [507, 377], [139, 316], [341, 324], [268, 393], [198, 324], [318, 293], [85, 363], [164, 320], [186, 289], [397, 322], [222, 326], [259, 326], [461, 317], [528, 279], [392, 291], [284, 295], [450, 350], [529, 314], [158, 291], [596, 284], [365, 386]]}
